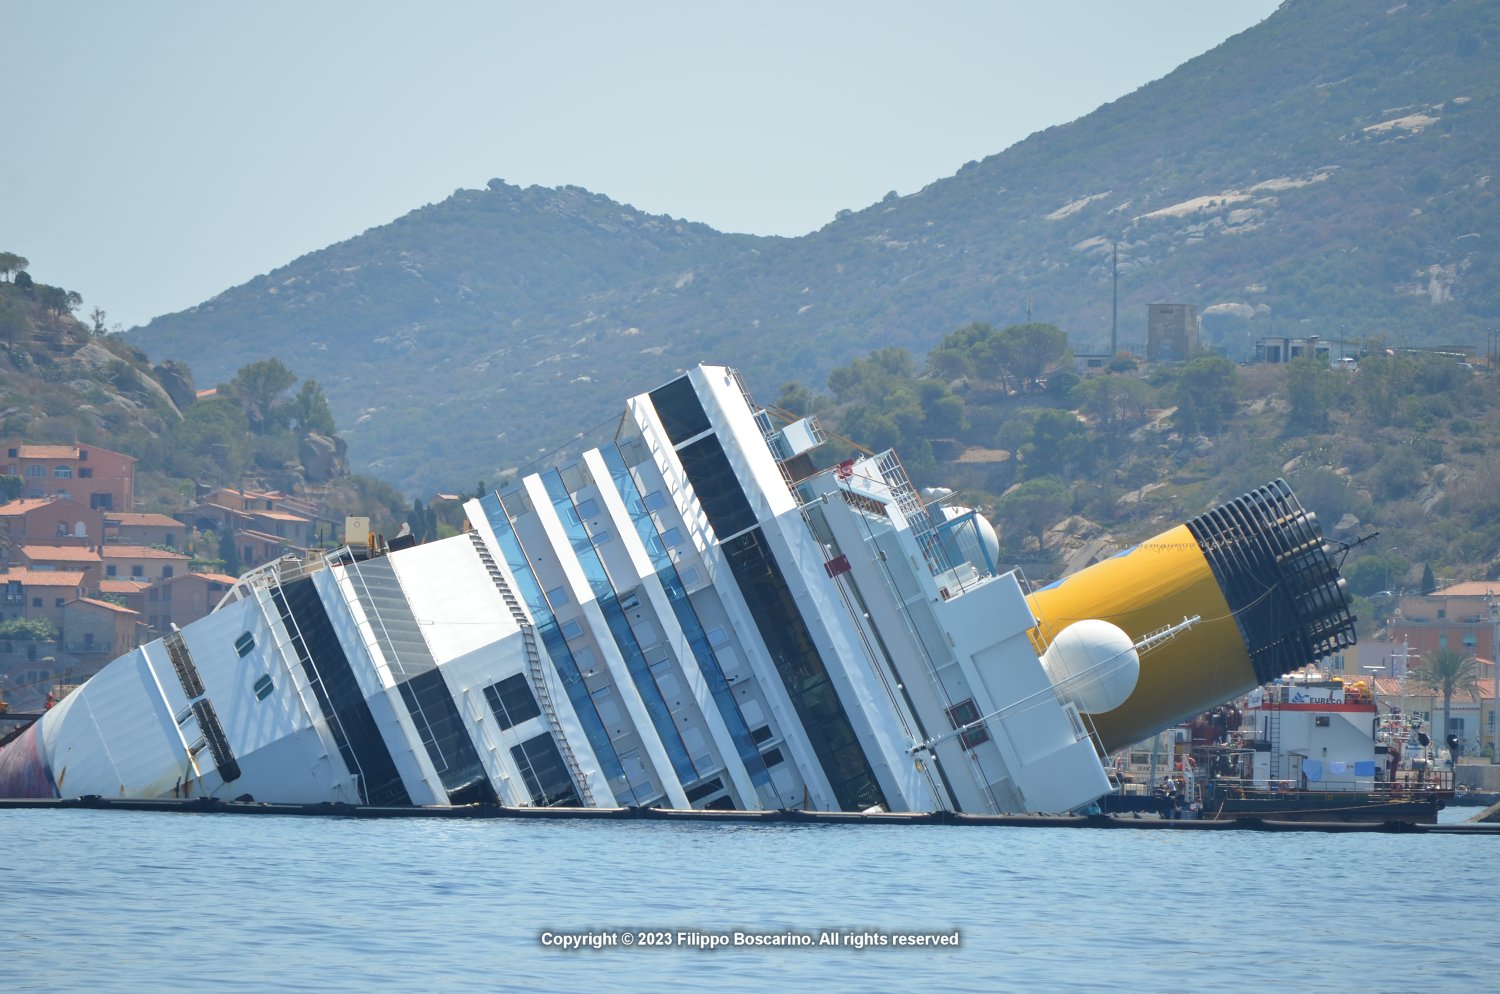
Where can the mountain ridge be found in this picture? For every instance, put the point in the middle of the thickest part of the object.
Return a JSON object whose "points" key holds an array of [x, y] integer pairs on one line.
{"points": [[469, 335]]}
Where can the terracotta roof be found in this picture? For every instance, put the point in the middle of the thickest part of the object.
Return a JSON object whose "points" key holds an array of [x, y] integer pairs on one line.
{"points": [[122, 586], [106, 604], [210, 577], [138, 552], [1470, 588], [60, 553], [280, 516], [1390, 689], [22, 506], [48, 451], [264, 537], [43, 577], [142, 519]]}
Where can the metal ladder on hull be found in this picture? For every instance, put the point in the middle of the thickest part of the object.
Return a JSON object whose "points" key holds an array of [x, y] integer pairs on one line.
{"points": [[536, 670]]}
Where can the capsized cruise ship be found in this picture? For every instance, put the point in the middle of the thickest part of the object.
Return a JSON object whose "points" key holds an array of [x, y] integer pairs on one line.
{"points": [[692, 614]]}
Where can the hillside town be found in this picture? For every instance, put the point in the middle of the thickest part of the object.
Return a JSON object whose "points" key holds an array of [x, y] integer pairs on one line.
{"points": [[87, 577]]}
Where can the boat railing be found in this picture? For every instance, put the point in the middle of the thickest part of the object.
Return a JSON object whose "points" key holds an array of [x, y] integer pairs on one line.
{"points": [[1432, 783]]}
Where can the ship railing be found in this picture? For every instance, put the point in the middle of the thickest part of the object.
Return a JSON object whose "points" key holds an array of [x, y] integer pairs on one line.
{"points": [[278, 572], [769, 433], [536, 668], [1432, 783]]}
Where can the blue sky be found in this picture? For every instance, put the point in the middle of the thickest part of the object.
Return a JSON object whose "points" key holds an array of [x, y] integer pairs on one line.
{"points": [[158, 153]]}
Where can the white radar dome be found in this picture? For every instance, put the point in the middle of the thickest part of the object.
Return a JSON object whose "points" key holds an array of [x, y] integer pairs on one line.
{"points": [[1093, 664]]}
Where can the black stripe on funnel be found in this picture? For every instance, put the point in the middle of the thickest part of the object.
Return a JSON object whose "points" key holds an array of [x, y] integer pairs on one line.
{"points": [[1269, 557]]}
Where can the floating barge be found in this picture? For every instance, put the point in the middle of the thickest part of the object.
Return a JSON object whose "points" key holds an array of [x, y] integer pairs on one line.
{"points": [[209, 805]]}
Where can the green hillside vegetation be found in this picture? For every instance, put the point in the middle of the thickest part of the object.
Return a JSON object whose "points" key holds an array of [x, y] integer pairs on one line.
{"points": [[1328, 171], [1400, 445], [63, 381]]}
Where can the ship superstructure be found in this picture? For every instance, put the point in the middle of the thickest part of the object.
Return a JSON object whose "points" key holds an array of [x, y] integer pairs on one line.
{"points": [[691, 614]]}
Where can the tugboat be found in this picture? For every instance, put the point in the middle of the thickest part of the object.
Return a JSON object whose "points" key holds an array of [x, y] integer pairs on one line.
{"points": [[1310, 748]]}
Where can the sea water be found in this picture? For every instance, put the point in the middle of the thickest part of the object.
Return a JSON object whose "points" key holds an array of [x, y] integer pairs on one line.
{"points": [[146, 902]]}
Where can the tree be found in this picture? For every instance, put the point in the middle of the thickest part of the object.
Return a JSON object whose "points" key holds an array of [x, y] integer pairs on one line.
{"points": [[795, 398], [1446, 672], [423, 521], [96, 318], [12, 263], [1429, 582], [12, 322], [1032, 349], [1207, 390], [258, 387], [55, 299], [978, 352], [227, 550], [1048, 442], [310, 410], [1310, 389], [1034, 505]]}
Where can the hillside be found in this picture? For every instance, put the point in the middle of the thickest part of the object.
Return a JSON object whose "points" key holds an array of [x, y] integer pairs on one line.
{"points": [[1327, 171], [66, 382]]}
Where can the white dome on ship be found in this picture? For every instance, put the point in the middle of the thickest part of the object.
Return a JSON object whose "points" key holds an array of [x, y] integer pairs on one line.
{"points": [[1093, 664]]}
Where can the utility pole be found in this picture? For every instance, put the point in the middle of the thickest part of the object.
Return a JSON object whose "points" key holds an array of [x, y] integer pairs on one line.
{"points": [[1114, 316]]}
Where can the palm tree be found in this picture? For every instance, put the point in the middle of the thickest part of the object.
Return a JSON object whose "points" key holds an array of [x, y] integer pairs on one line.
{"points": [[1446, 672]]}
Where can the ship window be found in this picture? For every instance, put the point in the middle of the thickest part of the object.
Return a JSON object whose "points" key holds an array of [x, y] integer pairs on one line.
{"points": [[544, 771], [701, 791], [654, 501], [671, 538], [690, 576], [761, 734], [772, 757], [588, 509], [680, 410], [244, 644], [263, 688], [571, 629], [600, 537], [966, 713], [557, 597], [1320, 721], [717, 486], [512, 701]]}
